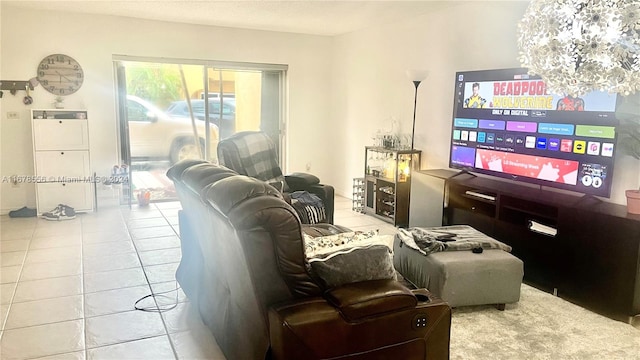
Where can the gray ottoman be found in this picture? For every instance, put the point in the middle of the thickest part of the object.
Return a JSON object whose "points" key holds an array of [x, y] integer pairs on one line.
{"points": [[463, 278]]}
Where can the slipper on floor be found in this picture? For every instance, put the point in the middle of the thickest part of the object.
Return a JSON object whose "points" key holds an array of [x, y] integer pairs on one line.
{"points": [[23, 212]]}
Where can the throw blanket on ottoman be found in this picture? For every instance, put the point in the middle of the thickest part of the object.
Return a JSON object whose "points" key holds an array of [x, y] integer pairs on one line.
{"points": [[447, 238]]}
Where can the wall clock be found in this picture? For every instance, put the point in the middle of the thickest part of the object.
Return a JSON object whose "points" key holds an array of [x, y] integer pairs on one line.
{"points": [[60, 74]]}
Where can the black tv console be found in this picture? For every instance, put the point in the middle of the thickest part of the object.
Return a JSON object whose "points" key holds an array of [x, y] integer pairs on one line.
{"points": [[580, 248]]}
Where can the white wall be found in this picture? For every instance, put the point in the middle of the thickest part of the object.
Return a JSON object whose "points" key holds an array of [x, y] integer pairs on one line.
{"points": [[341, 89], [28, 36], [371, 87]]}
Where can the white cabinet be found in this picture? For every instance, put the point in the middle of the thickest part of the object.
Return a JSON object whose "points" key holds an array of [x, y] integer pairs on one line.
{"points": [[61, 157]]}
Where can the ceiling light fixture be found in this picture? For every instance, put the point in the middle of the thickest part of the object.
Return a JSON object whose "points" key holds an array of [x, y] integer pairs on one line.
{"points": [[578, 46]]}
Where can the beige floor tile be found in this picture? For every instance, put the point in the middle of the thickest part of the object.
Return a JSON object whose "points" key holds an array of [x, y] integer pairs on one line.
{"points": [[174, 221], [4, 310], [114, 235], [167, 213], [114, 301], [152, 348], [145, 223], [15, 233], [14, 245], [45, 311], [161, 273], [168, 293], [48, 288], [158, 243], [10, 274], [196, 345], [116, 279], [43, 340], [105, 249], [152, 232], [12, 258], [51, 269], [6, 293], [103, 226], [53, 254], [111, 262], [126, 326], [162, 256], [360, 220], [58, 228], [24, 222], [78, 355], [184, 317], [103, 216], [168, 205], [138, 213], [55, 241]]}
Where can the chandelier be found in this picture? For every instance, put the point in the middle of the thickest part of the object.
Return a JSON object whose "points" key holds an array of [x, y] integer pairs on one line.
{"points": [[578, 46]]}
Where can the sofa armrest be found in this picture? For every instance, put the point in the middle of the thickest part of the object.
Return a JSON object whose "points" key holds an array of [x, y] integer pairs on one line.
{"points": [[357, 301], [307, 182], [299, 181], [312, 328]]}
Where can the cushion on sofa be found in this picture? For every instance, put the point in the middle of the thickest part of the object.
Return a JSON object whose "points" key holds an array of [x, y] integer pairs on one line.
{"points": [[350, 257], [354, 265]]}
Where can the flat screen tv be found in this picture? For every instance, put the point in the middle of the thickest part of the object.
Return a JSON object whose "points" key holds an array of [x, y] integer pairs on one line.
{"points": [[506, 124]]}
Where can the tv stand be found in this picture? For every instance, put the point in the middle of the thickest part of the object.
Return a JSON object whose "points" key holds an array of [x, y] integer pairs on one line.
{"points": [[586, 199], [585, 251], [463, 172]]}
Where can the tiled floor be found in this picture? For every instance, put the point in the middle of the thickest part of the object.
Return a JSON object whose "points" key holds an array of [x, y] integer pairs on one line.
{"points": [[68, 288]]}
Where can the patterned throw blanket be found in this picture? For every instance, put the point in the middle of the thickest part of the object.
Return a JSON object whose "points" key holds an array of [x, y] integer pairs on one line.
{"points": [[447, 238], [256, 158], [321, 246]]}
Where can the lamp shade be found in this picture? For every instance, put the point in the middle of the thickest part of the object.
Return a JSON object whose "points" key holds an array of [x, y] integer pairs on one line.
{"points": [[578, 46], [417, 75]]}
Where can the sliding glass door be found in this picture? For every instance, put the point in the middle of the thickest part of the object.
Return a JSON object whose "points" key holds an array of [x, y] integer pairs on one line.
{"points": [[164, 117]]}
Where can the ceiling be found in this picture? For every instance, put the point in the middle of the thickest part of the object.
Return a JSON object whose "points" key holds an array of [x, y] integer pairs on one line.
{"points": [[317, 17]]}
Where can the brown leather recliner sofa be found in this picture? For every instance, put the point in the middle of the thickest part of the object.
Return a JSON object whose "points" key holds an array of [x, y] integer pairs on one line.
{"points": [[243, 266]]}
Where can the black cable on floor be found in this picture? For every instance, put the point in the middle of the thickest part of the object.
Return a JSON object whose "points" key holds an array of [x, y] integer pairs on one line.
{"points": [[157, 307]]}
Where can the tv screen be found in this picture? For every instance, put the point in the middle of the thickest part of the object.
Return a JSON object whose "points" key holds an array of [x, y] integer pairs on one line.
{"points": [[506, 124]]}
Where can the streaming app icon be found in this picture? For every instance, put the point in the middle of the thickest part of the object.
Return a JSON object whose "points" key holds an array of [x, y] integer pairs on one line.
{"points": [[554, 144], [473, 136], [509, 139], [456, 134], [464, 135], [530, 142], [579, 146], [541, 144], [607, 149], [499, 138], [482, 136], [520, 141], [593, 148], [566, 145], [491, 138]]}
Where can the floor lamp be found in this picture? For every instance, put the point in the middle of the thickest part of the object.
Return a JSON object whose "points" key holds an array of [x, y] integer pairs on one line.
{"points": [[416, 76]]}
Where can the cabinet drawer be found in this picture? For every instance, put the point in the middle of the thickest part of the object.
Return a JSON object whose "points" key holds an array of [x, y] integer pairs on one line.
{"points": [[77, 195], [60, 134], [62, 163]]}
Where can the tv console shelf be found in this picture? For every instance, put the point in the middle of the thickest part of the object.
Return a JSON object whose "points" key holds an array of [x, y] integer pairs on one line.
{"points": [[585, 251]]}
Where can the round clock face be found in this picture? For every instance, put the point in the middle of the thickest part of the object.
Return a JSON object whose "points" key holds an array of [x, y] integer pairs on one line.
{"points": [[60, 74]]}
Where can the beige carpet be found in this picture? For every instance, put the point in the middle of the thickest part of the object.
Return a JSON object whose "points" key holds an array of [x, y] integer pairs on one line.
{"points": [[540, 326]]}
